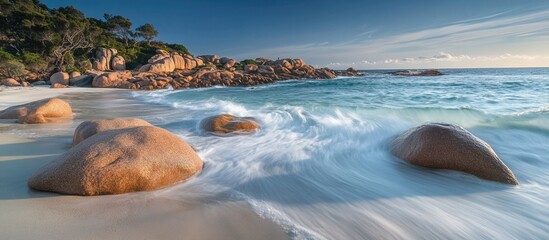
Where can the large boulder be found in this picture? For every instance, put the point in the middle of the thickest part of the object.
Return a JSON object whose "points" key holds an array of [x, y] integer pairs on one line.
{"points": [[74, 75], [264, 69], [41, 111], [60, 77], [111, 79], [118, 63], [90, 128], [214, 59], [103, 58], [120, 161], [447, 146], [10, 82], [228, 124]]}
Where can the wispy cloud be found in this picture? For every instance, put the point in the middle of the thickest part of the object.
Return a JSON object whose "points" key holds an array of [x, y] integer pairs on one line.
{"points": [[491, 31]]}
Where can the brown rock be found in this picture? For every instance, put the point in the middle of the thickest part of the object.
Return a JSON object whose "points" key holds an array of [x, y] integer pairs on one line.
{"points": [[60, 77], [74, 75], [111, 79], [58, 85], [89, 128], [446, 146], [10, 82], [41, 111], [103, 58], [265, 69], [120, 161], [118, 63], [225, 124]]}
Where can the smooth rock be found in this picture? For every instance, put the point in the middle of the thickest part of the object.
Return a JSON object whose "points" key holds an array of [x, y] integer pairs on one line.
{"points": [[60, 77], [447, 146], [10, 82], [89, 128], [41, 111], [120, 161], [225, 124]]}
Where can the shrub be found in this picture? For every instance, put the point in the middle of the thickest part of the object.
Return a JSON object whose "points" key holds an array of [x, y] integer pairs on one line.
{"points": [[11, 68], [34, 62]]}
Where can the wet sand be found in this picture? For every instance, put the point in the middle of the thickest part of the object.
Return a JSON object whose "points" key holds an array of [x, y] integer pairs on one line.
{"points": [[29, 214]]}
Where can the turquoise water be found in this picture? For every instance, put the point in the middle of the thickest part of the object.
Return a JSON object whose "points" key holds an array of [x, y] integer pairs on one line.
{"points": [[321, 168]]}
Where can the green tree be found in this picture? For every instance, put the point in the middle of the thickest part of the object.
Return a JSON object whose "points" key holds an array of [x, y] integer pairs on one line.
{"points": [[120, 26], [147, 32]]}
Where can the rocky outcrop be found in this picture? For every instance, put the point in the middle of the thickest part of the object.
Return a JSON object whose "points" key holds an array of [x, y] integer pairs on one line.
{"points": [[60, 78], [41, 111], [90, 128], [10, 82], [213, 59], [421, 73], [446, 146], [228, 124], [111, 79], [251, 68], [103, 57], [227, 62], [118, 63], [169, 62], [120, 161]]}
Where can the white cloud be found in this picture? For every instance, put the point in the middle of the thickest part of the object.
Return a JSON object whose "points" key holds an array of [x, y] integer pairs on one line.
{"points": [[490, 34]]}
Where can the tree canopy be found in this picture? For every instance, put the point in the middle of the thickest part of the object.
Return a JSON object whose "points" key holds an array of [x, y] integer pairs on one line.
{"points": [[46, 40]]}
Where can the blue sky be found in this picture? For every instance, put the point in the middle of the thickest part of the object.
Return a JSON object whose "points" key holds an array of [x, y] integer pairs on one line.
{"points": [[364, 34]]}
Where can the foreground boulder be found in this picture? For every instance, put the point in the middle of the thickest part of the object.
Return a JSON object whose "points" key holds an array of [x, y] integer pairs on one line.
{"points": [[90, 128], [446, 146], [41, 111], [120, 161], [225, 124]]}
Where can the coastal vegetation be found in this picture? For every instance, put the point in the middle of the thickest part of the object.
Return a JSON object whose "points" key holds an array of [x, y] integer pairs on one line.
{"points": [[39, 40]]}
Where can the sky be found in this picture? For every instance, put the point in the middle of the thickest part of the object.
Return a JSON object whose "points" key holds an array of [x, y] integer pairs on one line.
{"points": [[364, 34]]}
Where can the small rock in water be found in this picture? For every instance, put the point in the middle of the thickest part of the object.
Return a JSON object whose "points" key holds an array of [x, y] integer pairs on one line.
{"points": [[226, 124]]}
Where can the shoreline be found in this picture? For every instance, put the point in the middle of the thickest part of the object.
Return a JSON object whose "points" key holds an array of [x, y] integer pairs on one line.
{"points": [[29, 214]]}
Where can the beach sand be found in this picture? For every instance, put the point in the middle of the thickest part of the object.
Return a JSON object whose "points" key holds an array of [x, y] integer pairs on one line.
{"points": [[29, 214]]}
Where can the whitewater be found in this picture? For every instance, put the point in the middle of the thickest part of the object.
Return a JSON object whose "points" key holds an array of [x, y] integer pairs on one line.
{"points": [[320, 167]]}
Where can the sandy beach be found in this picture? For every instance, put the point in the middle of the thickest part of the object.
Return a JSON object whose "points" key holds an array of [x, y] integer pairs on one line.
{"points": [[29, 214]]}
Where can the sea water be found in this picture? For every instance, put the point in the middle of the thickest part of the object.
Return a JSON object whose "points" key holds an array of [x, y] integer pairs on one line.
{"points": [[321, 168]]}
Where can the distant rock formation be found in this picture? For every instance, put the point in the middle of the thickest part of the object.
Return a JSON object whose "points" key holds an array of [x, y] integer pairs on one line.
{"points": [[422, 73], [169, 62]]}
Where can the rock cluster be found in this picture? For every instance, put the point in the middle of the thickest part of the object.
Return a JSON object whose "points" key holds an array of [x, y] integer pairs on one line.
{"points": [[446, 146], [115, 160], [106, 59], [169, 62], [41, 111]]}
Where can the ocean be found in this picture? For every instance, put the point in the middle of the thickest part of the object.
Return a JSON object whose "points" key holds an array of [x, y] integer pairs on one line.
{"points": [[321, 167]]}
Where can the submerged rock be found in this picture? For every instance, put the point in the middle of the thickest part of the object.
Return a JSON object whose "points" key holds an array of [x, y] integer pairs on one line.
{"points": [[120, 161], [447, 146], [41, 111], [225, 124], [422, 73], [89, 128]]}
